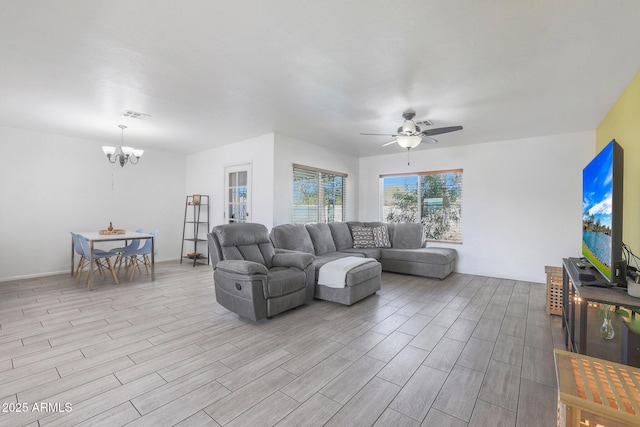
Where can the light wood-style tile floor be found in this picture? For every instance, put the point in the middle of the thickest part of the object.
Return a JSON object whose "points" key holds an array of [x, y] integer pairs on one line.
{"points": [[465, 351]]}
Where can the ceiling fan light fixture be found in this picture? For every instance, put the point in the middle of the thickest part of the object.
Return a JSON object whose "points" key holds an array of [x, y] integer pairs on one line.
{"points": [[409, 135], [409, 142]]}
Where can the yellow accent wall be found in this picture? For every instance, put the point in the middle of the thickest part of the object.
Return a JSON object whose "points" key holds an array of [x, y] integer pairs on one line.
{"points": [[622, 123]]}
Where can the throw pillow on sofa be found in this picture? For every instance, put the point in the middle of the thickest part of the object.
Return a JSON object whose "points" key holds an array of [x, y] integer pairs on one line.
{"points": [[381, 237], [362, 237]]}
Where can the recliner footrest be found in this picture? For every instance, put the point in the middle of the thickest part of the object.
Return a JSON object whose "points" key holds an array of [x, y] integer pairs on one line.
{"points": [[240, 294]]}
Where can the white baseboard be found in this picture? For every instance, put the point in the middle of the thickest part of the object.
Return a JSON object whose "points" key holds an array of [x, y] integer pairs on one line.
{"points": [[55, 273]]}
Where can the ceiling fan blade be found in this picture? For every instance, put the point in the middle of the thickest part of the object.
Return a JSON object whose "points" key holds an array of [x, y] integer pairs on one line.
{"points": [[379, 134], [429, 140], [390, 142], [438, 131]]}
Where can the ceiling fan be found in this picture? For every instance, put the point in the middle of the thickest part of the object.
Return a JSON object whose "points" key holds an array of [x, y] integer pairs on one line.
{"points": [[409, 135]]}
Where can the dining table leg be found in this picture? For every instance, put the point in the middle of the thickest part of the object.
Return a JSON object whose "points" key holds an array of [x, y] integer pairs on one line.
{"points": [[90, 283], [73, 252], [153, 259]]}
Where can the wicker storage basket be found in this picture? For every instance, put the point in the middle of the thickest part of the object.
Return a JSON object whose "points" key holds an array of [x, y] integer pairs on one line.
{"points": [[554, 290]]}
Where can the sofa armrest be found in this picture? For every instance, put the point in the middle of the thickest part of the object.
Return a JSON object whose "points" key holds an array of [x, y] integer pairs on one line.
{"points": [[299, 260], [242, 267], [303, 261]]}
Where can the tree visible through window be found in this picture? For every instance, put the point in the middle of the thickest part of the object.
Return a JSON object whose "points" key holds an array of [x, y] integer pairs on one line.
{"points": [[431, 198], [318, 195]]}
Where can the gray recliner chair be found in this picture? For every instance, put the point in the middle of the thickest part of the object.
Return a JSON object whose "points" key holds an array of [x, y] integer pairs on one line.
{"points": [[251, 279]]}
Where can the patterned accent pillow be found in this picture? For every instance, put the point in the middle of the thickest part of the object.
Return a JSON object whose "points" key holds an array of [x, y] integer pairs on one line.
{"points": [[362, 237], [381, 237]]}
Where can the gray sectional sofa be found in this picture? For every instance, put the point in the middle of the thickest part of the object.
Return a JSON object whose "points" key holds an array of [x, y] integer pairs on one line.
{"points": [[407, 252], [258, 274]]}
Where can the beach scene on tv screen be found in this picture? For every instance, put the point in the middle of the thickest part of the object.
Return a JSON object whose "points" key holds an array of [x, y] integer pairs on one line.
{"points": [[597, 184]]}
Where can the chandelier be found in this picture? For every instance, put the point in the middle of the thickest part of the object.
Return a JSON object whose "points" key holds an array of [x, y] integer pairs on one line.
{"points": [[122, 154]]}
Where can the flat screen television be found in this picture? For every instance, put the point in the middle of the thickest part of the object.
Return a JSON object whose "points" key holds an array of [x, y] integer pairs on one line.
{"points": [[602, 186]]}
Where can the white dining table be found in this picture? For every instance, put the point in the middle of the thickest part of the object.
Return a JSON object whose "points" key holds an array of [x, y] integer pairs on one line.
{"points": [[95, 237]]}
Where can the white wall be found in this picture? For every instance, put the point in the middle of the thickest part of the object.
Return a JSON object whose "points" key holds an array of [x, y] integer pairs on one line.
{"points": [[51, 185], [521, 209], [271, 157], [289, 151], [522, 200], [205, 175]]}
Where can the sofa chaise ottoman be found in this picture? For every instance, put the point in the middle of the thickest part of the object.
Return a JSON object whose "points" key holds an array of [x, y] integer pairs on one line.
{"points": [[359, 282]]}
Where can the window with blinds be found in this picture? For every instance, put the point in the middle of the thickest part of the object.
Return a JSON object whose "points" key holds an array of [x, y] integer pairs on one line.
{"points": [[431, 198], [318, 195]]}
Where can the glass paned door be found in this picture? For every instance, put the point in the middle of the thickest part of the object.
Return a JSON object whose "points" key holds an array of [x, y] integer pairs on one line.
{"points": [[238, 192]]}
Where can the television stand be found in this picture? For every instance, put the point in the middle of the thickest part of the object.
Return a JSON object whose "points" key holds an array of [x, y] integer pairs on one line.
{"points": [[581, 321]]}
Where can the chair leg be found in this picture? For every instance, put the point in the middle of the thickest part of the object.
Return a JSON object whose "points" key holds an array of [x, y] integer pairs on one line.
{"points": [[147, 262], [119, 261], [113, 272], [129, 265], [134, 265], [100, 267], [79, 268]]}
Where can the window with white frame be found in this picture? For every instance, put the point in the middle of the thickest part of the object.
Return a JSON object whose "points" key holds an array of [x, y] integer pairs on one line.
{"points": [[431, 198], [318, 195]]}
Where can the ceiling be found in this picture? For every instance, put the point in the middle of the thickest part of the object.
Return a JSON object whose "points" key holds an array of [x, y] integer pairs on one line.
{"points": [[212, 72]]}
